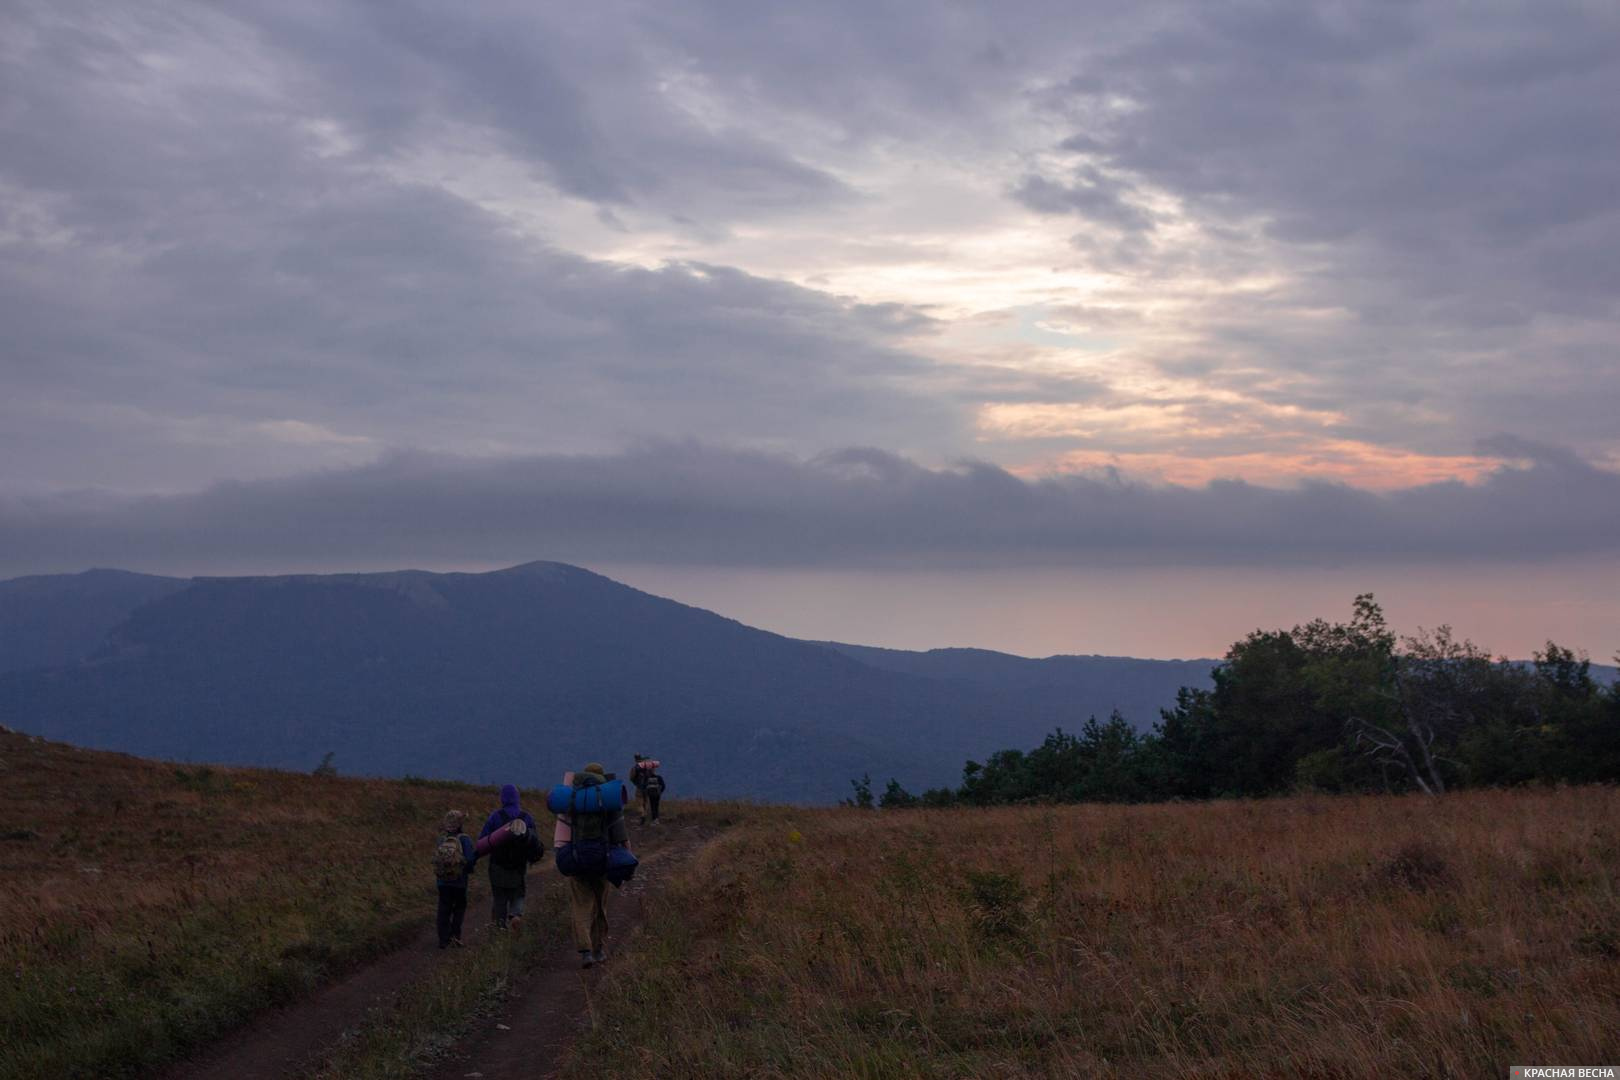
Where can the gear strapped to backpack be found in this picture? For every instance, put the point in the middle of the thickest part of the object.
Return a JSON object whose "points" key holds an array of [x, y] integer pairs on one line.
{"points": [[520, 850], [590, 851], [449, 860]]}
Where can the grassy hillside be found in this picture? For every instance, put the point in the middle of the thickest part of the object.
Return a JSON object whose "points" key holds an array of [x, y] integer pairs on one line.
{"points": [[1353, 937], [145, 907], [148, 908]]}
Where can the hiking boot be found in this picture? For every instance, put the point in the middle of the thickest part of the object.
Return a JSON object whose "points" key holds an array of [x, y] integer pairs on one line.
{"points": [[599, 956], [586, 958], [515, 924], [457, 943]]}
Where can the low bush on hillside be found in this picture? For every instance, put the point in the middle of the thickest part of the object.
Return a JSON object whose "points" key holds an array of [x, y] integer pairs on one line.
{"points": [[1348, 937]]}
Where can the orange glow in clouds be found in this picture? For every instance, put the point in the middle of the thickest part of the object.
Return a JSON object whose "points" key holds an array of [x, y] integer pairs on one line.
{"points": [[1359, 464]]}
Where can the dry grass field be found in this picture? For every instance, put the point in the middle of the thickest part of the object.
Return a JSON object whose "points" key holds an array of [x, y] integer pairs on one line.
{"points": [[146, 907], [1314, 936]]}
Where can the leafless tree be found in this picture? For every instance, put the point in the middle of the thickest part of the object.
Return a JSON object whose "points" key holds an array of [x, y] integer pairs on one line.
{"points": [[1433, 688]]}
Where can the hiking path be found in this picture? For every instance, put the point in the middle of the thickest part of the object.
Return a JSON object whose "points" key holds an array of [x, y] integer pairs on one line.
{"points": [[551, 1005], [540, 1016]]}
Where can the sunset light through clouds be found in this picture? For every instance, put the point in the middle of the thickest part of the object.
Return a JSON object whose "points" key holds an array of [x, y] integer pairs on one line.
{"points": [[1018, 289]]}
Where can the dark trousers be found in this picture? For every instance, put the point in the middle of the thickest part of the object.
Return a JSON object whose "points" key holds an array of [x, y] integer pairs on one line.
{"points": [[652, 802], [505, 903], [452, 908]]}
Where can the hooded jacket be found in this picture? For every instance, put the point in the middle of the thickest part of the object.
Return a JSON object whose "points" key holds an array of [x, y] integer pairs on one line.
{"points": [[509, 863]]}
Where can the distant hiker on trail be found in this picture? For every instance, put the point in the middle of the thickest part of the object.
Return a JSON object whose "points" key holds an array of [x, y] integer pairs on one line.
{"points": [[453, 860], [509, 861], [593, 850], [649, 786]]}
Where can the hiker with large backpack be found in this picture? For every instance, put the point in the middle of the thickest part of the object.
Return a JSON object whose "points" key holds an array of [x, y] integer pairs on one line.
{"points": [[509, 861], [453, 859], [593, 851], [649, 786]]}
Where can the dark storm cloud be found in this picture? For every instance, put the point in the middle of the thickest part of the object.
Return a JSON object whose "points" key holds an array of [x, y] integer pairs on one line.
{"points": [[396, 301], [209, 261], [686, 504], [245, 239], [568, 89], [1088, 193]]}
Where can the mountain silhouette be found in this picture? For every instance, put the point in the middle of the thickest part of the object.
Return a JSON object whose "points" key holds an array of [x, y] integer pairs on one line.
{"points": [[55, 619], [521, 673]]}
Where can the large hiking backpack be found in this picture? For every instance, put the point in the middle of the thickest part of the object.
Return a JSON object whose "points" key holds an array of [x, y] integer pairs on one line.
{"points": [[593, 799], [590, 851], [449, 861], [597, 858]]}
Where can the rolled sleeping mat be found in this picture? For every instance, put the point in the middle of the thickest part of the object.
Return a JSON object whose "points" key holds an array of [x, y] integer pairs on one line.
{"points": [[597, 858], [621, 866], [562, 834], [596, 799], [485, 844]]}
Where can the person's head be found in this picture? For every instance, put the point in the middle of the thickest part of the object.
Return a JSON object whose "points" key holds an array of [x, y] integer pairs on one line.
{"points": [[509, 796], [453, 820], [640, 758]]}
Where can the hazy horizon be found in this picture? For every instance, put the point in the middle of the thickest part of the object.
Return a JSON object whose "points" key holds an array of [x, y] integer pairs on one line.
{"points": [[1110, 613]]}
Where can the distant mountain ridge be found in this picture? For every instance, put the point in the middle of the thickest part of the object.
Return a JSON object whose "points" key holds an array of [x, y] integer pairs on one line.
{"points": [[516, 674], [55, 619], [1125, 678]]}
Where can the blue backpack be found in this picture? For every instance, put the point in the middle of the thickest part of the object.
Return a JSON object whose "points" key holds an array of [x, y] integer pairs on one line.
{"points": [[590, 857], [595, 799]]}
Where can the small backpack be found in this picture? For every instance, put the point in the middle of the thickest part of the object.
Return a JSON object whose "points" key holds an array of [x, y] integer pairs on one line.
{"points": [[449, 861], [654, 782]]}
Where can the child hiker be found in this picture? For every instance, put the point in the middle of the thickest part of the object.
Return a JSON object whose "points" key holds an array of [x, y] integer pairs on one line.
{"points": [[453, 861]]}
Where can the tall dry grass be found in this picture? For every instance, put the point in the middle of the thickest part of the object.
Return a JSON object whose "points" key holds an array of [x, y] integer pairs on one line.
{"points": [[147, 907], [1352, 937]]}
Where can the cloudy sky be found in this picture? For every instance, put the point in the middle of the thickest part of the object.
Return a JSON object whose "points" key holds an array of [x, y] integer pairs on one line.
{"points": [[1123, 327]]}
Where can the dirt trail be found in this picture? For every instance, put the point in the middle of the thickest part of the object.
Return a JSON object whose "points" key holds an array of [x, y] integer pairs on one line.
{"points": [[278, 1043], [542, 1015], [548, 1009]]}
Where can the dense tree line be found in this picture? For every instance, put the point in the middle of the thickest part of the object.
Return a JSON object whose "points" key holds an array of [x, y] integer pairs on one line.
{"points": [[1343, 707]]}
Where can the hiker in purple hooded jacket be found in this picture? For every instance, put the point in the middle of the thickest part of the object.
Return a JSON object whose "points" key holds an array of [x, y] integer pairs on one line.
{"points": [[509, 862]]}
